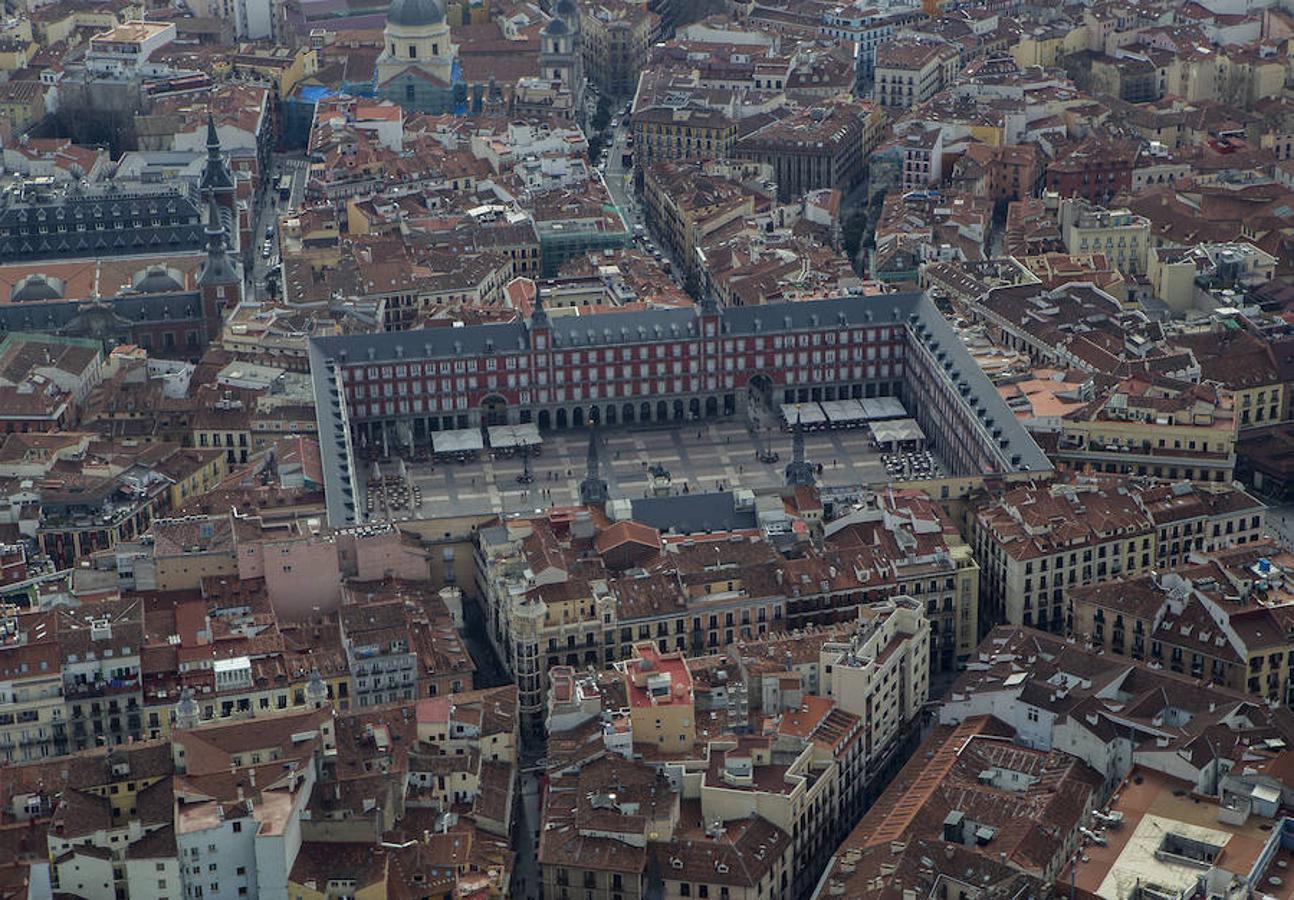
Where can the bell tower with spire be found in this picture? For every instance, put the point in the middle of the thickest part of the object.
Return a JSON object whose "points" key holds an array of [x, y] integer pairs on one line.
{"points": [[710, 315], [221, 277], [217, 181], [541, 330]]}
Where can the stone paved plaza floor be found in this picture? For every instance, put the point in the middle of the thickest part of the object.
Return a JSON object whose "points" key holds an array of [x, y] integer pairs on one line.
{"points": [[704, 456]]}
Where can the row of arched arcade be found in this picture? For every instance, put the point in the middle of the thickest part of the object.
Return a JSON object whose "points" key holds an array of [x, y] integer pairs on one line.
{"points": [[760, 393], [629, 413]]}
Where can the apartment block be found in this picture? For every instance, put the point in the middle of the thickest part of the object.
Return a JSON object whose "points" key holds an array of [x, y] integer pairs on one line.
{"points": [[288, 806], [1036, 544], [100, 652], [553, 594], [399, 648], [821, 147], [1096, 168], [239, 836], [1114, 717], [838, 702], [466, 756], [971, 786], [1222, 617], [699, 802], [696, 131], [903, 545], [615, 36], [219, 654], [909, 71], [1118, 233], [33, 723], [688, 207], [1242, 363], [882, 675], [662, 708], [1159, 427], [1059, 764]]}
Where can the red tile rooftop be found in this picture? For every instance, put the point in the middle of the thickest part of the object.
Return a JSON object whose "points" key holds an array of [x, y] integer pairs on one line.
{"points": [[643, 673], [802, 722], [435, 709]]}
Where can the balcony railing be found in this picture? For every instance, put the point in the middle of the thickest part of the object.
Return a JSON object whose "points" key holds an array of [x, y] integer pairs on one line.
{"points": [[81, 689]]}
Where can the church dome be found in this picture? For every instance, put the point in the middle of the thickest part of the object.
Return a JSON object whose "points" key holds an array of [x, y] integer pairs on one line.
{"points": [[158, 280], [556, 28], [566, 9], [37, 287], [415, 13]]}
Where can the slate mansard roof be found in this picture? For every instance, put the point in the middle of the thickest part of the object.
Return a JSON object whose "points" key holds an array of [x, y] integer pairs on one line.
{"points": [[67, 224]]}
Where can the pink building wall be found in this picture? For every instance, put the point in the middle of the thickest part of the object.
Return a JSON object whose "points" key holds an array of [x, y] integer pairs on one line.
{"points": [[386, 555], [303, 575]]}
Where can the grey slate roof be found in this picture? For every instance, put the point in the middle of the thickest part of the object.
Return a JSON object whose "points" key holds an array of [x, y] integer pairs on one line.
{"points": [[693, 513], [54, 315], [126, 217], [335, 452], [624, 327]]}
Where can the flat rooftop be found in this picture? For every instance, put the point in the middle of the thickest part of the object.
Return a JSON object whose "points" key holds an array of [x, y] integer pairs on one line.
{"points": [[132, 32], [665, 680], [1155, 806]]}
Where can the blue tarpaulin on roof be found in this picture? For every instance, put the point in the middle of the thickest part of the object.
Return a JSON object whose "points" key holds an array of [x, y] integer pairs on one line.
{"points": [[313, 93]]}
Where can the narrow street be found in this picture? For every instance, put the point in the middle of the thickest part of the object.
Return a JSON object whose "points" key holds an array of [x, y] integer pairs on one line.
{"points": [[268, 210], [525, 825], [620, 184], [619, 179], [489, 670], [525, 841]]}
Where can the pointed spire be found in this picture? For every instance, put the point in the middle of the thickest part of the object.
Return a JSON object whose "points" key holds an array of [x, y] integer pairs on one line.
{"points": [[593, 489], [215, 229], [709, 304], [219, 268], [799, 471], [215, 175], [538, 316]]}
